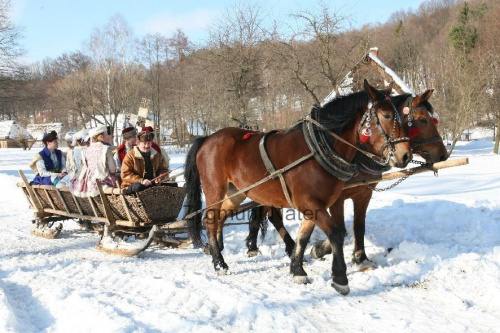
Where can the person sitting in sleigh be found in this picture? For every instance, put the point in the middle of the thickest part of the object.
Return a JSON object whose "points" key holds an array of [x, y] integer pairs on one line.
{"points": [[49, 164], [141, 165]]}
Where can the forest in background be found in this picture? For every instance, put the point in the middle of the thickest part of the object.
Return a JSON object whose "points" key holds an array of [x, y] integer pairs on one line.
{"points": [[255, 71]]}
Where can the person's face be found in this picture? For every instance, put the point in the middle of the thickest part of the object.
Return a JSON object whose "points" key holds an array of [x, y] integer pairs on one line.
{"points": [[70, 145], [53, 145], [104, 137], [131, 141], [144, 146]]}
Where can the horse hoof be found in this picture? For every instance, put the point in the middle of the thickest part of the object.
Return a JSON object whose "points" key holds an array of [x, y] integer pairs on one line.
{"points": [[300, 279], [222, 272], [343, 290], [206, 249], [365, 266], [313, 253], [317, 251], [252, 253]]}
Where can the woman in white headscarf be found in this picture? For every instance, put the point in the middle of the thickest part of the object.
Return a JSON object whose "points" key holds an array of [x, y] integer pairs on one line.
{"points": [[74, 161], [98, 165]]}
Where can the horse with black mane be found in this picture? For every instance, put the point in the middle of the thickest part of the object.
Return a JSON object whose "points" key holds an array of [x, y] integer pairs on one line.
{"points": [[420, 122], [322, 146]]}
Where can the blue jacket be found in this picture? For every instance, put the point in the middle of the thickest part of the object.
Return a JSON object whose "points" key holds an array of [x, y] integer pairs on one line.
{"points": [[49, 165]]}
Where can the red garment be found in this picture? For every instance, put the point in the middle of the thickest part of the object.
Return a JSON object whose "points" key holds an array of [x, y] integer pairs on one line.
{"points": [[122, 151]]}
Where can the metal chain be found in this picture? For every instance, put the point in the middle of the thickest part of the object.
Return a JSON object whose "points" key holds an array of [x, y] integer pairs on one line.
{"points": [[399, 181]]}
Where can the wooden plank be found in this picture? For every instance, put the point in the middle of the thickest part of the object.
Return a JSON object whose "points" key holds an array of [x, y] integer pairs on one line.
{"points": [[406, 172], [127, 210], [37, 202], [124, 223], [50, 199], [76, 216], [94, 209], [77, 204], [107, 209], [62, 200]]}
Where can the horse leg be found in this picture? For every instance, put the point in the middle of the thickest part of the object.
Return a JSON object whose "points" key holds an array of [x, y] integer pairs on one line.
{"points": [[276, 219], [228, 207], [211, 224], [323, 247], [335, 234], [359, 255], [297, 258], [257, 217]]}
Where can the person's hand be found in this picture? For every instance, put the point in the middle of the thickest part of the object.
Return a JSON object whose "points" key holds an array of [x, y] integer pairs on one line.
{"points": [[146, 182], [62, 175]]}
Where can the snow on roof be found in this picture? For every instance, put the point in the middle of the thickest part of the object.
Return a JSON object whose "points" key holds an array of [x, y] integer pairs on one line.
{"points": [[391, 73], [10, 129], [345, 87], [38, 130]]}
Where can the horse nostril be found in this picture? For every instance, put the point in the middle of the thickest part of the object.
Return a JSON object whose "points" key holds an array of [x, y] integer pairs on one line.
{"points": [[406, 158]]}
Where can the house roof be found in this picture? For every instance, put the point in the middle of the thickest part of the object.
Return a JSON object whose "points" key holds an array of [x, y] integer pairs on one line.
{"points": [[38, 130], [10, 129]]}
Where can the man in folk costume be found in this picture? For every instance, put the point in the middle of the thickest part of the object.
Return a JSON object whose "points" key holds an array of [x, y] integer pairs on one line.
{"points": [[98, 165], [141, 165], [129, 142], [49, 164], [164, 154]]}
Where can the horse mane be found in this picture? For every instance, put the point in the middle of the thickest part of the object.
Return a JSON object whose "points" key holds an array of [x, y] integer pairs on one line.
{"points": [[398, 99], [341, 112]]}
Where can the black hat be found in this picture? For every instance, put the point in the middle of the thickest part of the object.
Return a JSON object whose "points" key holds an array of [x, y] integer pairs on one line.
{"points": [[49, 137]]}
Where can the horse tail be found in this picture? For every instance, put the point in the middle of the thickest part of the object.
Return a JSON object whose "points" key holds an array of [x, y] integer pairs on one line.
{"points": [[193, 191]]}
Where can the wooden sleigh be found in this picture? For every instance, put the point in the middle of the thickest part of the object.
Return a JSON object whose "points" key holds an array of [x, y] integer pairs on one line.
{"points": [[128, 223]]}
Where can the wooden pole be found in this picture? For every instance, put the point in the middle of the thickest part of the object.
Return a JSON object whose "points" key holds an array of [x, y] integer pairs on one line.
{"points": [[406, 172]]}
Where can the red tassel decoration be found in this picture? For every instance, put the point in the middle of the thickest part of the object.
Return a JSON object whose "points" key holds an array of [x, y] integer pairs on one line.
{"points": [[413, 132], [436, 121], [246, 136], [366, 133], [364, 139]]}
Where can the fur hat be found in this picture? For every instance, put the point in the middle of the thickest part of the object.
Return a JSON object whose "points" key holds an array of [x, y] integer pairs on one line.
{"points": [[98, 130], [49, 137], [129, 132], [148, 129], [69, 136], [145, 136]]}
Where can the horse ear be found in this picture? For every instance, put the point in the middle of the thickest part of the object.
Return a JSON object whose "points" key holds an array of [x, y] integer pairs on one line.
{"points": [[371, 91], [388, 90], [419, 99]]}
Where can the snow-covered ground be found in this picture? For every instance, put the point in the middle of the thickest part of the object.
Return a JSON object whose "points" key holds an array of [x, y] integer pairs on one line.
{"points": [[443, 274]]}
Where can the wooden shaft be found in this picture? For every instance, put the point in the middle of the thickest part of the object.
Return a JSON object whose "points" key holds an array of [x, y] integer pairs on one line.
{"points": [[406, 172]]}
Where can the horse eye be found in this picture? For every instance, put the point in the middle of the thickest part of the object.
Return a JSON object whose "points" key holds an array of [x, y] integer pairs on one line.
{"points": [[423, 120], [387, 116]]}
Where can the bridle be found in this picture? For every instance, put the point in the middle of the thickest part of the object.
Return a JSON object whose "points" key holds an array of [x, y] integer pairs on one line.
{"points": [[389, 140], [411, 124]]}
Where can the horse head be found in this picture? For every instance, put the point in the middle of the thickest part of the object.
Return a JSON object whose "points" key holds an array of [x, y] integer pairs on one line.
{"points": [[381, 130], [420, 122]]}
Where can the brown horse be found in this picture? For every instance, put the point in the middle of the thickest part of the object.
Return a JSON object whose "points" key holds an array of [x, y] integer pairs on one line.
{"points": [[424, 140], [226, 161]]}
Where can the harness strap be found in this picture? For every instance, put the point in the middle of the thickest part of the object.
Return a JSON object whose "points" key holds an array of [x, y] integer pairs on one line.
{"points": [[332, 162], [270, 167], [248, 188], [324, 129]]}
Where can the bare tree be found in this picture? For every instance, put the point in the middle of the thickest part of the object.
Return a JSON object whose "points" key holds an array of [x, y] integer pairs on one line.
{"points": [[318, 53]]}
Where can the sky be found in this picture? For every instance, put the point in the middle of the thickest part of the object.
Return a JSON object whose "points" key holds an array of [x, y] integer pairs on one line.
{"points": [[53, 27]]}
